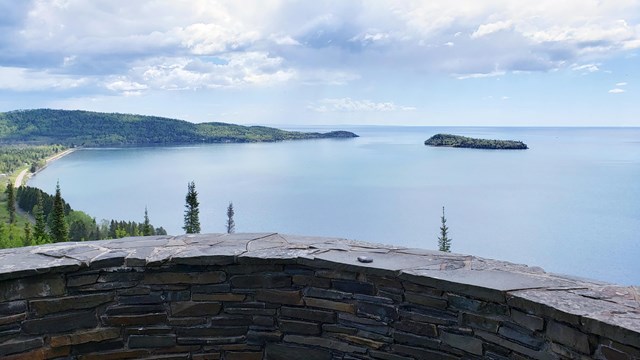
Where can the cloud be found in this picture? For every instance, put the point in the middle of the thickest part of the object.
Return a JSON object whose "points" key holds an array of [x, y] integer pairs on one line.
{"points": [[621, 84], [371, 37], [587, 68], [207, 39], [284, 40], [22, 79], [168, 45], [350, 105], [486, 29], [480, 75], [616, 91], [236, 70], [125, 87]]}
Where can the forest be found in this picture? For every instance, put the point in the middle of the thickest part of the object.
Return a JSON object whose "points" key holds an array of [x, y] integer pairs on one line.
{"points": [[14, 157], [95, 129], [37, 204]]}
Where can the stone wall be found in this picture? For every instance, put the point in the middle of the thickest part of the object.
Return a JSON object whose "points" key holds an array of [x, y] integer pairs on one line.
{"points": [[271, 296]]}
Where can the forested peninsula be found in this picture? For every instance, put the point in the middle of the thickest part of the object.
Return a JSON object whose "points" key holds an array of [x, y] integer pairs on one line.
{"points": [[96, 129], [473, 143]]}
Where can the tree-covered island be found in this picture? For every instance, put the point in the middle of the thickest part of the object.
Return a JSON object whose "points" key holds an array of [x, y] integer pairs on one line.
{"points": [[95, 129], [473, 143]]}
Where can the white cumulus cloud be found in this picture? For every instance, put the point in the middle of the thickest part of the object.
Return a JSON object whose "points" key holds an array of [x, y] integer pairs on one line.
{"points": [[486, 29], [125, 87], [616, 91]]}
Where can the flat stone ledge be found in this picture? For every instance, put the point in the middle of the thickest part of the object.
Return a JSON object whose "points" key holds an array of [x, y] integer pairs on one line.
{"points": [[603, 309]]}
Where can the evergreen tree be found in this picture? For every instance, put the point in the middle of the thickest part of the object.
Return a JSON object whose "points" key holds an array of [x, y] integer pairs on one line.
{"points": [[444, 241], [231, 225], [112, 229], [4, 238], [27, 234], [147, 229], [59, 228], [191, 212], [12, 237], [11, 202], [40, 229]]}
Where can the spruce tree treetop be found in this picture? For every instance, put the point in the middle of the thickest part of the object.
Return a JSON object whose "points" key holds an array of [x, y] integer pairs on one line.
{"points": [[40, 235], [11, 202], [231, 225], [147, 229], [444, 241], [59, 227], [191, 212]]}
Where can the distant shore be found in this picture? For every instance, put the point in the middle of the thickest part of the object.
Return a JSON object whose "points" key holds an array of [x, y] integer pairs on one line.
{"points": [[24, 174]]}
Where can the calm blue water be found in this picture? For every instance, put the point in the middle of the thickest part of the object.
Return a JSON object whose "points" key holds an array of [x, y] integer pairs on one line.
{"points": [[571, 203]]}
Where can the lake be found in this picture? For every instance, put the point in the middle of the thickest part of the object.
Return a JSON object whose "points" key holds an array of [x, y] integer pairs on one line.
{"points": [[570, 204]]}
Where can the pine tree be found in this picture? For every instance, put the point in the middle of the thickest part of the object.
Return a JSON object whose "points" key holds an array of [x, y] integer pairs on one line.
{"points": [[147, 229], [444, 241], [59, 227], [11, 202], [27, 234], [4, 238], [40, 235], [191, 212], [231, 225]]}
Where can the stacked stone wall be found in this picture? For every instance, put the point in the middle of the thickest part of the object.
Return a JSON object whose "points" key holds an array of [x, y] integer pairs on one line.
{"points": [[275, 304]]}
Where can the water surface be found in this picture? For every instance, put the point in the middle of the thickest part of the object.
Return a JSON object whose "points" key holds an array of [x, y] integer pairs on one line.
{"points": [[571, 203]]}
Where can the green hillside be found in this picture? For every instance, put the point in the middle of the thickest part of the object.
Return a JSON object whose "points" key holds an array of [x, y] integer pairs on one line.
{"points": [[86, 128]]}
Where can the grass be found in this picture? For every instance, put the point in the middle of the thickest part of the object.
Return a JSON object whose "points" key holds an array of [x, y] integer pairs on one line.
{"points": [[10, 235]]}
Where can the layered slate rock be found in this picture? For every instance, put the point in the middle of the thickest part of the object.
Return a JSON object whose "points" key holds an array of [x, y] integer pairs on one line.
{"points": [[272, 296]]}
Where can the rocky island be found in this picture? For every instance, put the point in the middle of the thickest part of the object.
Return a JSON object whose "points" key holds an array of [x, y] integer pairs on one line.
{"points": [[473, 143]]}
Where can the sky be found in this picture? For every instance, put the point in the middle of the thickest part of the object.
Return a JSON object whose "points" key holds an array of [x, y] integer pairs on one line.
{"points": [[432, 63]]}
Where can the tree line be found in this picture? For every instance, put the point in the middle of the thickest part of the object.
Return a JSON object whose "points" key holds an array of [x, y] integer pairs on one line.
{"points": [[14, 157], [87, 128], [56, 221]]}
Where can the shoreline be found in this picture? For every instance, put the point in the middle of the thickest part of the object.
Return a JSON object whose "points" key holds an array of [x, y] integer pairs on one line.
{"points": [[24, 175]]}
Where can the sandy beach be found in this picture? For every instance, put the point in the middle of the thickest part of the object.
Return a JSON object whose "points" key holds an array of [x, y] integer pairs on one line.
{"points": [[24, 174]]}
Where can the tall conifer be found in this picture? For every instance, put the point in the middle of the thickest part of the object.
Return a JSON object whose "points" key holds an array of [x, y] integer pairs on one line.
{"points": [[444, 241], [231, 225], [191, 212], [40, 235], [147, 229], [27, 234], [11, 202], [59, 227]]}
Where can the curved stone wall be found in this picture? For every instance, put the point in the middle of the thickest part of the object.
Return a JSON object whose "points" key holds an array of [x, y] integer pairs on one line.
{"points": [[271, 296]]}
